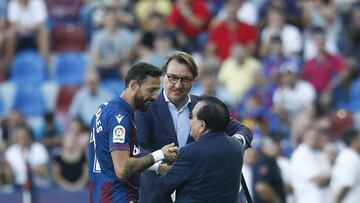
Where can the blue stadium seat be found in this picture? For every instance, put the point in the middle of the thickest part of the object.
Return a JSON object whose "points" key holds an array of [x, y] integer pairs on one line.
{"points": [[28, 68], [113, 85], [2, 107], [355, 95], [29, 100], [70, 69]]}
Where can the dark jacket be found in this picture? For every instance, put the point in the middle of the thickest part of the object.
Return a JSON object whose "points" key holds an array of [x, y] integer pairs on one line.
{"points": [[155, 129], [205, 171]]}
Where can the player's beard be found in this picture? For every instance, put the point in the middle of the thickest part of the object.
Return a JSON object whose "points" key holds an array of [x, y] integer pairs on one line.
{"points": [[140, 102]]}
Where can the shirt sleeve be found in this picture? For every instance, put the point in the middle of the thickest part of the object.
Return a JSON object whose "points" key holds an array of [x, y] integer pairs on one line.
{"points": [[177, 175], [41, 14], [12, 12], [174, 17], [38, 155], [120, 129], [261, 171], [349, 172]]}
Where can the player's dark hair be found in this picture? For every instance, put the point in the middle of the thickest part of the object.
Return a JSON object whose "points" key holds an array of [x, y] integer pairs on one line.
{"points": [[214, 113], [350, 135], [140, 72]]}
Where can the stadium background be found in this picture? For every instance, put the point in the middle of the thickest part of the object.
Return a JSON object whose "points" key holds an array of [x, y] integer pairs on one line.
{"points": [[62, 52]]}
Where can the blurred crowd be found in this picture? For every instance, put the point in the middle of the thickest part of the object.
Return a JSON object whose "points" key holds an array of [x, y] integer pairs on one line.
{"points": [[287, 69]]}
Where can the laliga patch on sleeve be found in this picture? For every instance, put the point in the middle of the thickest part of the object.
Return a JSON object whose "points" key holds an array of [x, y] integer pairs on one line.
{"points": [[119, 134]]}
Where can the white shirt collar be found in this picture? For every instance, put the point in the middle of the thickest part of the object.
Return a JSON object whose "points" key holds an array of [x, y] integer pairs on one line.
{"points": [[167, 100]]}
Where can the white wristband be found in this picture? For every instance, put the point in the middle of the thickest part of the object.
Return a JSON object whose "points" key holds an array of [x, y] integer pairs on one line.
{"points": [[158, 155], [154, 167]]}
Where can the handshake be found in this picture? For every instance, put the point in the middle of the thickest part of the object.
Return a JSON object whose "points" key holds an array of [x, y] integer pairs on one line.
{"points": [[167, 154], [170, 151]]}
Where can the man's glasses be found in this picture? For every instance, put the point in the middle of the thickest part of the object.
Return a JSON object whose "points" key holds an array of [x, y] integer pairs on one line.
{"points": [[173, 79]]}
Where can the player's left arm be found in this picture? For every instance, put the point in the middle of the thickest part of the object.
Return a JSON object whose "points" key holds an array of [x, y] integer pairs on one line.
{"points": [[240, 132], [120, 133], [126, 166]]}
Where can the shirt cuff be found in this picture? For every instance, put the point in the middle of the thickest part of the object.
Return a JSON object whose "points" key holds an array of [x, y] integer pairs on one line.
{"points": [[240, 138], [155, 167]]}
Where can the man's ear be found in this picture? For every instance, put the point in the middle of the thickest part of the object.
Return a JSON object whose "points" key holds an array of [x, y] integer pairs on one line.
{"points": [[133, 86], [203, 127]]}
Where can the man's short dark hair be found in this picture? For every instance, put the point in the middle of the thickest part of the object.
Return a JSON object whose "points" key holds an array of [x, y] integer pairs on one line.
{"points": [[182, 58], [215, 113], [140, 72], [350, 135]]}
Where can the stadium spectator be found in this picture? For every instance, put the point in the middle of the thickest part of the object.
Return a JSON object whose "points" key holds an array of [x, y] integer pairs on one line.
{"points": [[28, 159], [8, 124], [317, 114], [6, 179], [293, 95], [268, 185], [325, 71], [352, 36], [290, 35], [188, 18], [236, 32], [257, 100], [122, 13], [346, 173], [145, 8], [273, 59], [27, 29], [288, 7], [110, 47], [78, 128], [312, 178], [237, 72], [209, 86], [88, 98], [250, 156], [70, 169], [158, 46], [51, 132], [321, 13], [247, 12]]}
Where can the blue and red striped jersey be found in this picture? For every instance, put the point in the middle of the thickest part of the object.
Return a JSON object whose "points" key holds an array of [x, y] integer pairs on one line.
{"points": [[112, 128]]}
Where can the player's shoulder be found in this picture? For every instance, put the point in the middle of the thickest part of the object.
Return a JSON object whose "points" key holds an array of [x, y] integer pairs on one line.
{"points": [[111, 107]]}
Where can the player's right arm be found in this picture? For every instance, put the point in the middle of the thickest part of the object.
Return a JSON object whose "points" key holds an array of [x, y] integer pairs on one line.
{"points": [[126, 166]]}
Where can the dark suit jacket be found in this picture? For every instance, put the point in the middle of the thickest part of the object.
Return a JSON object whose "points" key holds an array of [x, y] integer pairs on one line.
{"points": [[155, 129], [205, 171]]}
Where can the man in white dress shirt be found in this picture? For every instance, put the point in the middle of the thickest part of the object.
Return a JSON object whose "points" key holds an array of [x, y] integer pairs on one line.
{"points": [[345, 182], [311, 169]]}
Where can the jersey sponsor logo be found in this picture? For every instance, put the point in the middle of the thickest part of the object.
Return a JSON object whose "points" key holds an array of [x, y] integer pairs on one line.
{"points": [[119, 134], [136, 150], [119, 118]]}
